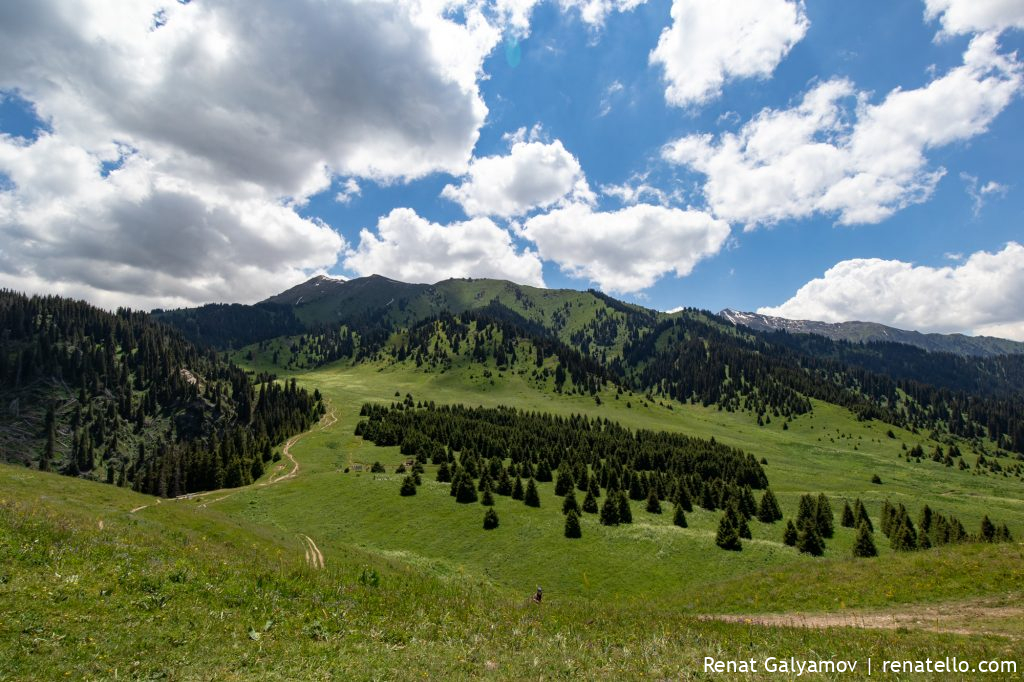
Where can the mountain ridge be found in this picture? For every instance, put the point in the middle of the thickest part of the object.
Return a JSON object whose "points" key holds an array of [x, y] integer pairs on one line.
{"points": [[868, 332]]}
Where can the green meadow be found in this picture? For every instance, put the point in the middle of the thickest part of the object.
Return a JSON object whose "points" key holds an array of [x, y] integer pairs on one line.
{"points": [[219, 586]]}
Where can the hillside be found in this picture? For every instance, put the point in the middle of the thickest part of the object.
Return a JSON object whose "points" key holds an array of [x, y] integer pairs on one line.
{"points": [[868, 332], [124, 399], [323, 567], [690, 356]]}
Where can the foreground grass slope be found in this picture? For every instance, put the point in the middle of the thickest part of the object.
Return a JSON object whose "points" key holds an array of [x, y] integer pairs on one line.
{"points": [[93, 591]]}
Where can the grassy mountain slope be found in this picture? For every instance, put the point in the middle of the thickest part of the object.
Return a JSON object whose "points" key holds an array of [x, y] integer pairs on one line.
{"points": [[176, 592]]}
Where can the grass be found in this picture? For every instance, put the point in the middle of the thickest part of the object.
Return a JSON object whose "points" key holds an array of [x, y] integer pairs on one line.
{"points": [[180, 592], [206, 589]]}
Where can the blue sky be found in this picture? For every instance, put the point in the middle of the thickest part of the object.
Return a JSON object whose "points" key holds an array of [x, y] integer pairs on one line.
{"points": [[233, 173]]}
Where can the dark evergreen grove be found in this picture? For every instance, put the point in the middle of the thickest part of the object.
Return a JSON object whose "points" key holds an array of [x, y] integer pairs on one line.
{"points": [[933, 529], [614, 457], [122, 398]]}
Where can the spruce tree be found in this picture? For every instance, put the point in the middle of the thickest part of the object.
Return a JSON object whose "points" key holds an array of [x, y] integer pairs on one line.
{"points": [[531, 498], [861, 515], [739, 522], [653, 504], [727, 537], [517, 489], [408, 487], [610, 511], [679, 516], [444, 474], [683, 498], [768, 511], [564, 483], [465, 491], [824, 516], [487, 499], [490, 519], [572, 525], [864, 546], [590, 503], [988, 530], [625, 511], [847, 520], [569, 504], [809, 540], [904, 537], [789, 535]]}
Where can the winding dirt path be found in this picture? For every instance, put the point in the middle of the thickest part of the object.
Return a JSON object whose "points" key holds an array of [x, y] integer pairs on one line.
{"points": [[326, 422], [974, 617]]}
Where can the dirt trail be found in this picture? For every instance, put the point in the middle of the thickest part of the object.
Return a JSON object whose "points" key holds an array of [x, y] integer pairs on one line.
{"points": [[326, 421], [314, 557], [984, 616]]}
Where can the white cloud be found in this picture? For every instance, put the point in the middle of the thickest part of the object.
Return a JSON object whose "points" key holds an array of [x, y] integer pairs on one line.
{"points": [[636, 189], [223, 113], [628, 250], [595, 12], [413, 249], [975, 16], [350, 189], [533, 175], [712, 41], [980, 194], [677, 309], [142, 237], [982, 295], [609, 94], [793, 163]]}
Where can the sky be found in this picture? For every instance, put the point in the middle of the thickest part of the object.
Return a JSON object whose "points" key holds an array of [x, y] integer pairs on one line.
{"points": [[807, 159]]}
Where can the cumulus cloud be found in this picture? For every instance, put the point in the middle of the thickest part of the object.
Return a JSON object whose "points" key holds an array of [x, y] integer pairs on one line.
{"points": [[413, 249], [982, 295], [975, 16], [532, 175], [627, 250], [350, 189], [142, 237], [595, 12], [862, 164], [712, 41], [223, 116]]}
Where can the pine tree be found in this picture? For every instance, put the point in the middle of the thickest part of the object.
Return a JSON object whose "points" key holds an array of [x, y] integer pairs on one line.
{"points": [[487, 499], [739, 522], [490, 519], [572, 525], [988, 530], [825, 517], [904, 537], [569, 504], [789, 535], [465, 490], [564, 483], [590, 503], [610, 511], [809, 540], [768, 511], [625, 511], [517, 489], [679, 516], [861, 515], [683, 498], [864, 546], [847, 520], [444, 474], [531, 498], [408, 487], [727, 536], [653, 504]]}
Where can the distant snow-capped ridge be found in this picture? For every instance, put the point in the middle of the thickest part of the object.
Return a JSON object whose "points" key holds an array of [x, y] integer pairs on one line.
{"points": [[867, 332]]}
